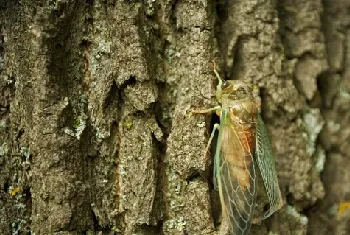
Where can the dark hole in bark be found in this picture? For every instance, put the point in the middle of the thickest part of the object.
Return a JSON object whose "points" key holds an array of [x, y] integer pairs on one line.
{"points": [[20, 133], [193, 176], [130, 81], [6, 186], [112, 99]]}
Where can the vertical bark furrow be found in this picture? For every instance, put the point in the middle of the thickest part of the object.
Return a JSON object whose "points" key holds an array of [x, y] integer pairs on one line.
{"points": [[15, 119], [123, 90], [60, 177], [188, 73], [329, 217]]}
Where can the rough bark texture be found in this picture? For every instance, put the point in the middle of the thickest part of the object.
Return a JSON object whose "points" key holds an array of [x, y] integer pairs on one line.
{"points": [[95, 136]]}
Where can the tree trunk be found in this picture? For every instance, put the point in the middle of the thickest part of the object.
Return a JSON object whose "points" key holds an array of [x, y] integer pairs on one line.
{"points": [[95, 136]]}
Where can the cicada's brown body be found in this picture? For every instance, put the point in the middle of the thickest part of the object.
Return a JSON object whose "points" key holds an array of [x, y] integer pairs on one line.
{"points": [[234, 161], [238, 140]]}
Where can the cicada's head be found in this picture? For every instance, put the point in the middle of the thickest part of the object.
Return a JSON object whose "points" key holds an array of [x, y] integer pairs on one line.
{"points": [[235, 92]]}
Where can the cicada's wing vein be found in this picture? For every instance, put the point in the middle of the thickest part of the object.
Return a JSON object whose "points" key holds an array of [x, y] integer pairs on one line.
{"points": [[266, 164], [235, 180]]}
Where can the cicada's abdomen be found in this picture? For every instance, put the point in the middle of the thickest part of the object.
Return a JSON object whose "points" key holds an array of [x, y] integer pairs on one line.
{"points": [[242, 121]]}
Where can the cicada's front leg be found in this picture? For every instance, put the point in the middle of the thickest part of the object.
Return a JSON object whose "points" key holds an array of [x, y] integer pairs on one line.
{"points": [[216, 126], [205, 111], [217, 110]]}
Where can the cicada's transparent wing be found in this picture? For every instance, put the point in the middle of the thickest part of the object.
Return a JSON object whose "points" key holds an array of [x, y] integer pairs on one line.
{"points": [[235, 175], [266, 164]]}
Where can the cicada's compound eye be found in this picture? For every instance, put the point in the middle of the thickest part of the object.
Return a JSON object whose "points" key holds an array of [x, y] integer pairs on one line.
{"points": [[241, 92], [225, 85]]}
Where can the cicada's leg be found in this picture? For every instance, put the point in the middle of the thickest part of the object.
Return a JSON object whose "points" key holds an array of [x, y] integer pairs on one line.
{"points": [[218, 87], [216, 127], [205, 111]]}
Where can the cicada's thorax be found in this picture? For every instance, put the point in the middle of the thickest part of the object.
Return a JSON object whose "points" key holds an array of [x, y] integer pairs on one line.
{"points": [[242, 116], [241, 119]]}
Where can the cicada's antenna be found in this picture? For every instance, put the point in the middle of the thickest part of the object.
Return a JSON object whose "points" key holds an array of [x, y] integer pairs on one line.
{"points": [[218, 87]]}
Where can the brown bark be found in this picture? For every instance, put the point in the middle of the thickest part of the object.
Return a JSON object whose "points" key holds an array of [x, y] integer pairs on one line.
{"points": [[95, 136]]}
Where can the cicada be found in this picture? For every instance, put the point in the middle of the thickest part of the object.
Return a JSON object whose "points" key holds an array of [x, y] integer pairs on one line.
{"points": [[242, 144]]}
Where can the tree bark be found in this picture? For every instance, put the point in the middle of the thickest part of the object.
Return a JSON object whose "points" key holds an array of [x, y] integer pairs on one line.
{"points": [[95, 96]]}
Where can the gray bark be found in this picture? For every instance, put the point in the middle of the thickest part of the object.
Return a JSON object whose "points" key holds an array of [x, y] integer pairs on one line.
{"points": [[95, 136]]}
